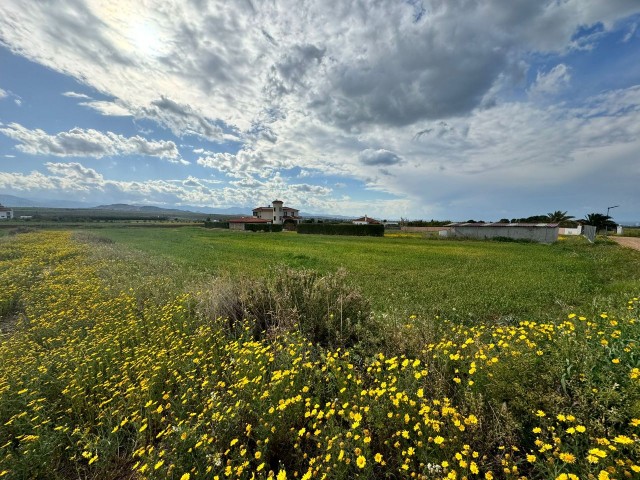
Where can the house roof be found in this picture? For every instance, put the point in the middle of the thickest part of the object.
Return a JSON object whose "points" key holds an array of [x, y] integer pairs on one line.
{"points": [[249, 220], [366, 219], [5, 209], [498, 224], [262, 209]]}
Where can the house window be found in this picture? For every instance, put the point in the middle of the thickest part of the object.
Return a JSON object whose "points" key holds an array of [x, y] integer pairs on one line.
{"points": [[274, 217]]}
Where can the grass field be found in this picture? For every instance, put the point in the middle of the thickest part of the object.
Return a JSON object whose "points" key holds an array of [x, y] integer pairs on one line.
{"points": [[412, 275], [115, 365]]}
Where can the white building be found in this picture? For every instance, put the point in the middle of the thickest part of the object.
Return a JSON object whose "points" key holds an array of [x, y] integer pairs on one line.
{"points": [[5, 213], [278, 214], [365, 221]]}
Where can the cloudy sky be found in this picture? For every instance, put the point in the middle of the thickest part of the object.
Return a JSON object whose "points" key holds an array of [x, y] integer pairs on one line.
{"points": [[449, 109]]}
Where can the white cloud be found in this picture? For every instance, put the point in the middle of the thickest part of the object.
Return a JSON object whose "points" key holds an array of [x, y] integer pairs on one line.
{"points": [[77, 95], [111, 109], [3, 93], [78, 142], [342, 88], [552, 82]]}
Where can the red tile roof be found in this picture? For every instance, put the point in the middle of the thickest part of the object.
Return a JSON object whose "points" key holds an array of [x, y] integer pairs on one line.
{"points": [[366, 219]]}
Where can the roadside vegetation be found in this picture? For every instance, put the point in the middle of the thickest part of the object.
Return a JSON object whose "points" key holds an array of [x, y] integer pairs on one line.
{"points": [[195, 364]]}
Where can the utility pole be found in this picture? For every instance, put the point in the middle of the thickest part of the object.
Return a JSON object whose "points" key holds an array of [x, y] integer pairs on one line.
{"points": [[606, 226]]}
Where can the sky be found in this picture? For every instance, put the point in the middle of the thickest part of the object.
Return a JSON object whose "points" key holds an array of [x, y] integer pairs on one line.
{"points": [[444, 109]]}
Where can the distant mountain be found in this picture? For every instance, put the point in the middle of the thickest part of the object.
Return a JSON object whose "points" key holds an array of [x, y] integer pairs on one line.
{"points": [[13, 201], [123, 207]]}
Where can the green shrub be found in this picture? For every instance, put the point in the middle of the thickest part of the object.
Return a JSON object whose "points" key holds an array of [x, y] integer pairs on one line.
{"points": [[262, 227], [208, 224], [327, 309], [341, 229]]}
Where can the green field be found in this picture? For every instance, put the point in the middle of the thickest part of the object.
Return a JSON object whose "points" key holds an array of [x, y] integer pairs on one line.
{"points": [[475, 280]]}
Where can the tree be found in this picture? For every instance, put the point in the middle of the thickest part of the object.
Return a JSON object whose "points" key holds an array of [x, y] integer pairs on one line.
{"points": [[559, 217], [599, 221]]}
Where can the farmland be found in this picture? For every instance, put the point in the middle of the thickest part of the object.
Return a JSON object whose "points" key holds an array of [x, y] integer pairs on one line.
{"points": [[411, 274], [499, 360]]}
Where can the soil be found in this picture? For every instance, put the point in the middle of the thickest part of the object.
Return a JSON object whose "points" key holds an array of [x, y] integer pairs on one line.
{"points": [[630, 242]]}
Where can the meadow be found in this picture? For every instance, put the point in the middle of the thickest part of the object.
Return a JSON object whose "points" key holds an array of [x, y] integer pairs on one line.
{"points": [[413, 275], [115, 364]]}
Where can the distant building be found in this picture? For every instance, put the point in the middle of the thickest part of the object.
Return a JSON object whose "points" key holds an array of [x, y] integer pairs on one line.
{"points": [[365, 221], [239, 223], [5, 213], [537, 232], [278, 214]]}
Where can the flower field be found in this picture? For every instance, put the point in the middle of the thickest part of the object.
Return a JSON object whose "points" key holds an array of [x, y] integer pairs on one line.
{"points": [[100, 378]]}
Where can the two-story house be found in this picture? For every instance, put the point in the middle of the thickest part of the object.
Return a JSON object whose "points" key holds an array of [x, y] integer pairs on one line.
{"points": [[278, 214]]}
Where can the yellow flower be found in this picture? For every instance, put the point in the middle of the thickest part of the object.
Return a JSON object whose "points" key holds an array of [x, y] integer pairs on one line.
{"points": [[567, 457], [438, 440], [603, 475], [531, 458], [185, 476], [258, 454], [623, 440], [378, 457], [361, 461], [282, 475]]}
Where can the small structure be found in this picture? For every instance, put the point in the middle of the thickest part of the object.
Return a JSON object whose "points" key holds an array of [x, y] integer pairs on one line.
{"points": [[239, 223], [365, 221], [5, 213], [536, 232], [278, 214], [570, 231]]}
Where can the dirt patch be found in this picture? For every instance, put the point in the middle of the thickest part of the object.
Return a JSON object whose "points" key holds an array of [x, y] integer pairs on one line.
{"points": [[629, 242], [8, 325]]}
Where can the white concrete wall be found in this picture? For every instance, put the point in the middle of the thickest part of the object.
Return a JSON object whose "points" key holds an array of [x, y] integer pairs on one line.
{"points": [[6, 215], [571, 231], [537, 234]]}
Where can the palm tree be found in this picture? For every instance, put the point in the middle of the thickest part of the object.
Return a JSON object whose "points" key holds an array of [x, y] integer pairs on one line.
{"points": [[559, 217], [599, 221]]}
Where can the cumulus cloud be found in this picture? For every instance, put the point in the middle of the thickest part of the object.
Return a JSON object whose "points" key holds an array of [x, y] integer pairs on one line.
{"points": [[78, 142], [3, 94], [324, 85], [200, 66], [379, 157], [244, 162]]}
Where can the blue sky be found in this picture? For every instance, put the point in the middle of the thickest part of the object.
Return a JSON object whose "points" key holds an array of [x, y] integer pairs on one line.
{"points": [[450, 110]]}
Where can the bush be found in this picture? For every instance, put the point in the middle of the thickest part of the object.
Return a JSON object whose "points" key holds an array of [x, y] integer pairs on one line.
{"points": [[325, 308], [208, 224], [341, 229], [262, 227]]}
